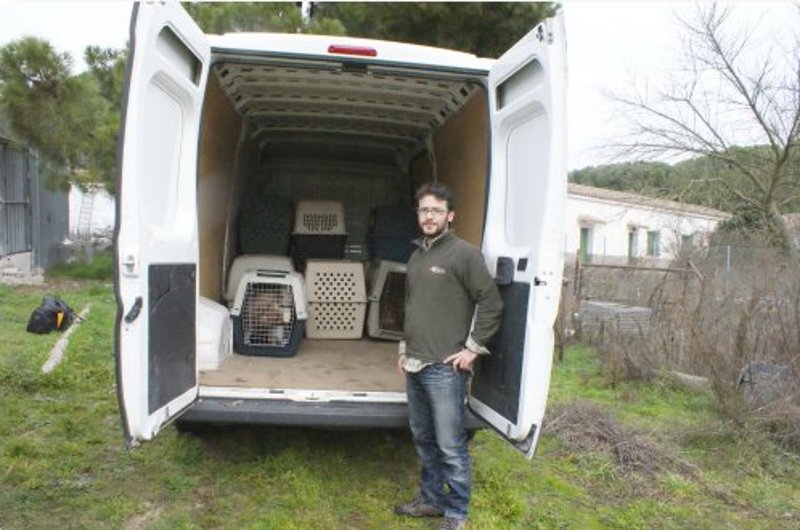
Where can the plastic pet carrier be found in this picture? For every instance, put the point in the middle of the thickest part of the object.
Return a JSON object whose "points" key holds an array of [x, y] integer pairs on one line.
{"points": [[386, 312], [392, 233], [214, 334], [265, 224], [319, 231], [337, 299], [269, 313], [253, 262]]}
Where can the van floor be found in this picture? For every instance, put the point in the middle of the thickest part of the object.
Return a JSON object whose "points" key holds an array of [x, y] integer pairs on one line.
{"points": [[347, 365]]}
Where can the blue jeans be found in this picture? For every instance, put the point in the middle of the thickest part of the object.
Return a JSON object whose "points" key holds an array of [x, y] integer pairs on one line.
{"points": [[437, 416]]}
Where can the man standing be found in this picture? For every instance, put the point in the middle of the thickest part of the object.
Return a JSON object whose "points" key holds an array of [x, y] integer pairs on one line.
{"points": [[447, 284]]}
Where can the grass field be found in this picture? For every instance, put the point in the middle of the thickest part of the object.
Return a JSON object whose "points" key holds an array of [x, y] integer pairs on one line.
{"points": [[635, 456]]}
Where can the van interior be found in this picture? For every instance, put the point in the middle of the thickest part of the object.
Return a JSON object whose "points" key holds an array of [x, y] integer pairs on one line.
{"points": [[363, 135]]}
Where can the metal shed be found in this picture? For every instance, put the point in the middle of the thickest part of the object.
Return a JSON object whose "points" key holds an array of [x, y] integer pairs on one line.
{"points": [[33, 219]]}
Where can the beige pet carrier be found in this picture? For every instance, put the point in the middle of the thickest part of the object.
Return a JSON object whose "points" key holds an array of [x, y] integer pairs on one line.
{"points": [[337, 299]]}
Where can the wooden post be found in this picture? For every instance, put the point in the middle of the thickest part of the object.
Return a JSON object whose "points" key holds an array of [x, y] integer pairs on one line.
{"points": [[561, 321], [577, 289]]}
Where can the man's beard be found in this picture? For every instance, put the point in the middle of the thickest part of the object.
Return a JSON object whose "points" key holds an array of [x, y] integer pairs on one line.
{"points": [[440, 228]]}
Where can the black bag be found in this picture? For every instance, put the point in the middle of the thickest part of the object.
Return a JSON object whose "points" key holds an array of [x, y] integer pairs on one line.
{"points": [[53, 314]]}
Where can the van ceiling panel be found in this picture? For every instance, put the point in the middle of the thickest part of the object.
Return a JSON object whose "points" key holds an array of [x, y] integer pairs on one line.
{"points": [[380, 112]]}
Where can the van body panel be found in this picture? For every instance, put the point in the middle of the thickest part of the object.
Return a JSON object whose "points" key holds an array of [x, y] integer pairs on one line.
{"points": [[156, 237], [223, 406], [524, 227], [461, 154], [319, 45], [216, 191], [304, 413]]}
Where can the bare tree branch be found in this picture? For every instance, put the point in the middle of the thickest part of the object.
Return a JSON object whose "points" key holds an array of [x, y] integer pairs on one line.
{"points": [[728, 99]]}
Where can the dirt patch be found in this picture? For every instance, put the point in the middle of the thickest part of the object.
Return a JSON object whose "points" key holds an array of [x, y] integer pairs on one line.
{"points": [[137, 522], [587, 427]]}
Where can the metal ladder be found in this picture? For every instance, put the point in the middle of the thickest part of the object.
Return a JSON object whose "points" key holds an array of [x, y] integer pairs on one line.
{"points": [[84, 228]]}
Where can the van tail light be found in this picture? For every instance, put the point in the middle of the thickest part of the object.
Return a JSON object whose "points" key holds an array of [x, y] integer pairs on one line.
{"points": [[347, 49]]}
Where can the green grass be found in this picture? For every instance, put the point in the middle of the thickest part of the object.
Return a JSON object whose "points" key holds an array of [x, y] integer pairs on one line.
{"points": [[63, 463], [101, 267]]}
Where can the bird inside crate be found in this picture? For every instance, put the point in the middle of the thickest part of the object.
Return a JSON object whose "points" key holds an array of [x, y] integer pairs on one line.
{"points": [[269, 313]]}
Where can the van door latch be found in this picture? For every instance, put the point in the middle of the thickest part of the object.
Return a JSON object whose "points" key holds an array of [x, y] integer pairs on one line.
{"points": [[129, 265], [135, 310], [538, 281]]}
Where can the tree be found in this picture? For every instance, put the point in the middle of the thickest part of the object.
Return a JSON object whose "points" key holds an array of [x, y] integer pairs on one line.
{"points": [[107, 65], [42, 103], [107, 72], [65, 118], [696, 180], [278, 17], [723, 91], [484, 28], [647, 178]]}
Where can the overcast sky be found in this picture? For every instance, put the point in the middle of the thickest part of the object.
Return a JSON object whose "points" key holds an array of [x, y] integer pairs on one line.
{"points": [[609, 45]]}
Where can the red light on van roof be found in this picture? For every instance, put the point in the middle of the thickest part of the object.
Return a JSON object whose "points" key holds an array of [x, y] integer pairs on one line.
{"points": [[348, 49]]}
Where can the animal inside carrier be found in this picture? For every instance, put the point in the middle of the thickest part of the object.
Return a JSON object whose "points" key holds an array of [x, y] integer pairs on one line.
{"points": [[386, 313], [269, 313]]}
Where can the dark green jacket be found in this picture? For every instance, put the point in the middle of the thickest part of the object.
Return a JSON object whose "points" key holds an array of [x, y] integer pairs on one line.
{"points": [[444, 284]]}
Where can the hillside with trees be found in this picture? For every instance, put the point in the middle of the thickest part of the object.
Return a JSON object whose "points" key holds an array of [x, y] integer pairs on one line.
{"points": [[694, 181]]}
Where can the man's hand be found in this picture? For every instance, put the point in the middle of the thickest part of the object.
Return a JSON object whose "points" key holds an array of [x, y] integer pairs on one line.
{"points": [[462, 360], [401, 359]]}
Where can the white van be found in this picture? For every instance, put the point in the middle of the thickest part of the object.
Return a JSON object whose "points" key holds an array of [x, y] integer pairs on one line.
{"points": [[211, 120]]}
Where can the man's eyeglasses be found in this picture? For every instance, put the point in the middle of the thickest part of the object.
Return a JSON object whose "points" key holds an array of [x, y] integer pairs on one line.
{"points": [[437, 212]]}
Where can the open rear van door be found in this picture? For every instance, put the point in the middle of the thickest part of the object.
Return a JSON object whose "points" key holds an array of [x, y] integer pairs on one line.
{"points": [[156, 240], [523, 239]]}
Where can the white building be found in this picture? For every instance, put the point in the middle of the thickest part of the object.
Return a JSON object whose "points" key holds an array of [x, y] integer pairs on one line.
{"points": [[615, 226], [91, 211]]}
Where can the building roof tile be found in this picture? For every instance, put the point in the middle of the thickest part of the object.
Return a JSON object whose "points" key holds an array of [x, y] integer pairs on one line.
{"points": [[642, 201]]}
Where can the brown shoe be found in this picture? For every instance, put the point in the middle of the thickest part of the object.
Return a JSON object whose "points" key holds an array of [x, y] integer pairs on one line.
{"points": [[418, 508], [451, 523]]}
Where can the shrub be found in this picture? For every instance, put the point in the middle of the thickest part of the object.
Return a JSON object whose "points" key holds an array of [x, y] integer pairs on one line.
{"points": [[741, 306]]}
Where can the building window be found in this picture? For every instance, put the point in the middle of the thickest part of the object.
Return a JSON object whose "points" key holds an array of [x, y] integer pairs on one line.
{"points": [[653, 243], [633, 244], [687, 242], [585, 249]]}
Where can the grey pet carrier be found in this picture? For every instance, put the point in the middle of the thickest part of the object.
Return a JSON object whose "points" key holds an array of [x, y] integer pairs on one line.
{"points": [[269, 313]]}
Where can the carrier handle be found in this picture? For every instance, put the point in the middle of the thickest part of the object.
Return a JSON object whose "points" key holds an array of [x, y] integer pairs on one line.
{"points": [[271, 274]]}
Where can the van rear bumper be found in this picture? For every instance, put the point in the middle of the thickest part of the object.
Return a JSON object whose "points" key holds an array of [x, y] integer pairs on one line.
{"points": [[330, 414]]}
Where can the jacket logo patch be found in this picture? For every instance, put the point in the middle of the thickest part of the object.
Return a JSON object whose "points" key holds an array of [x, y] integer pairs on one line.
{"points": [[437, 270]]}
